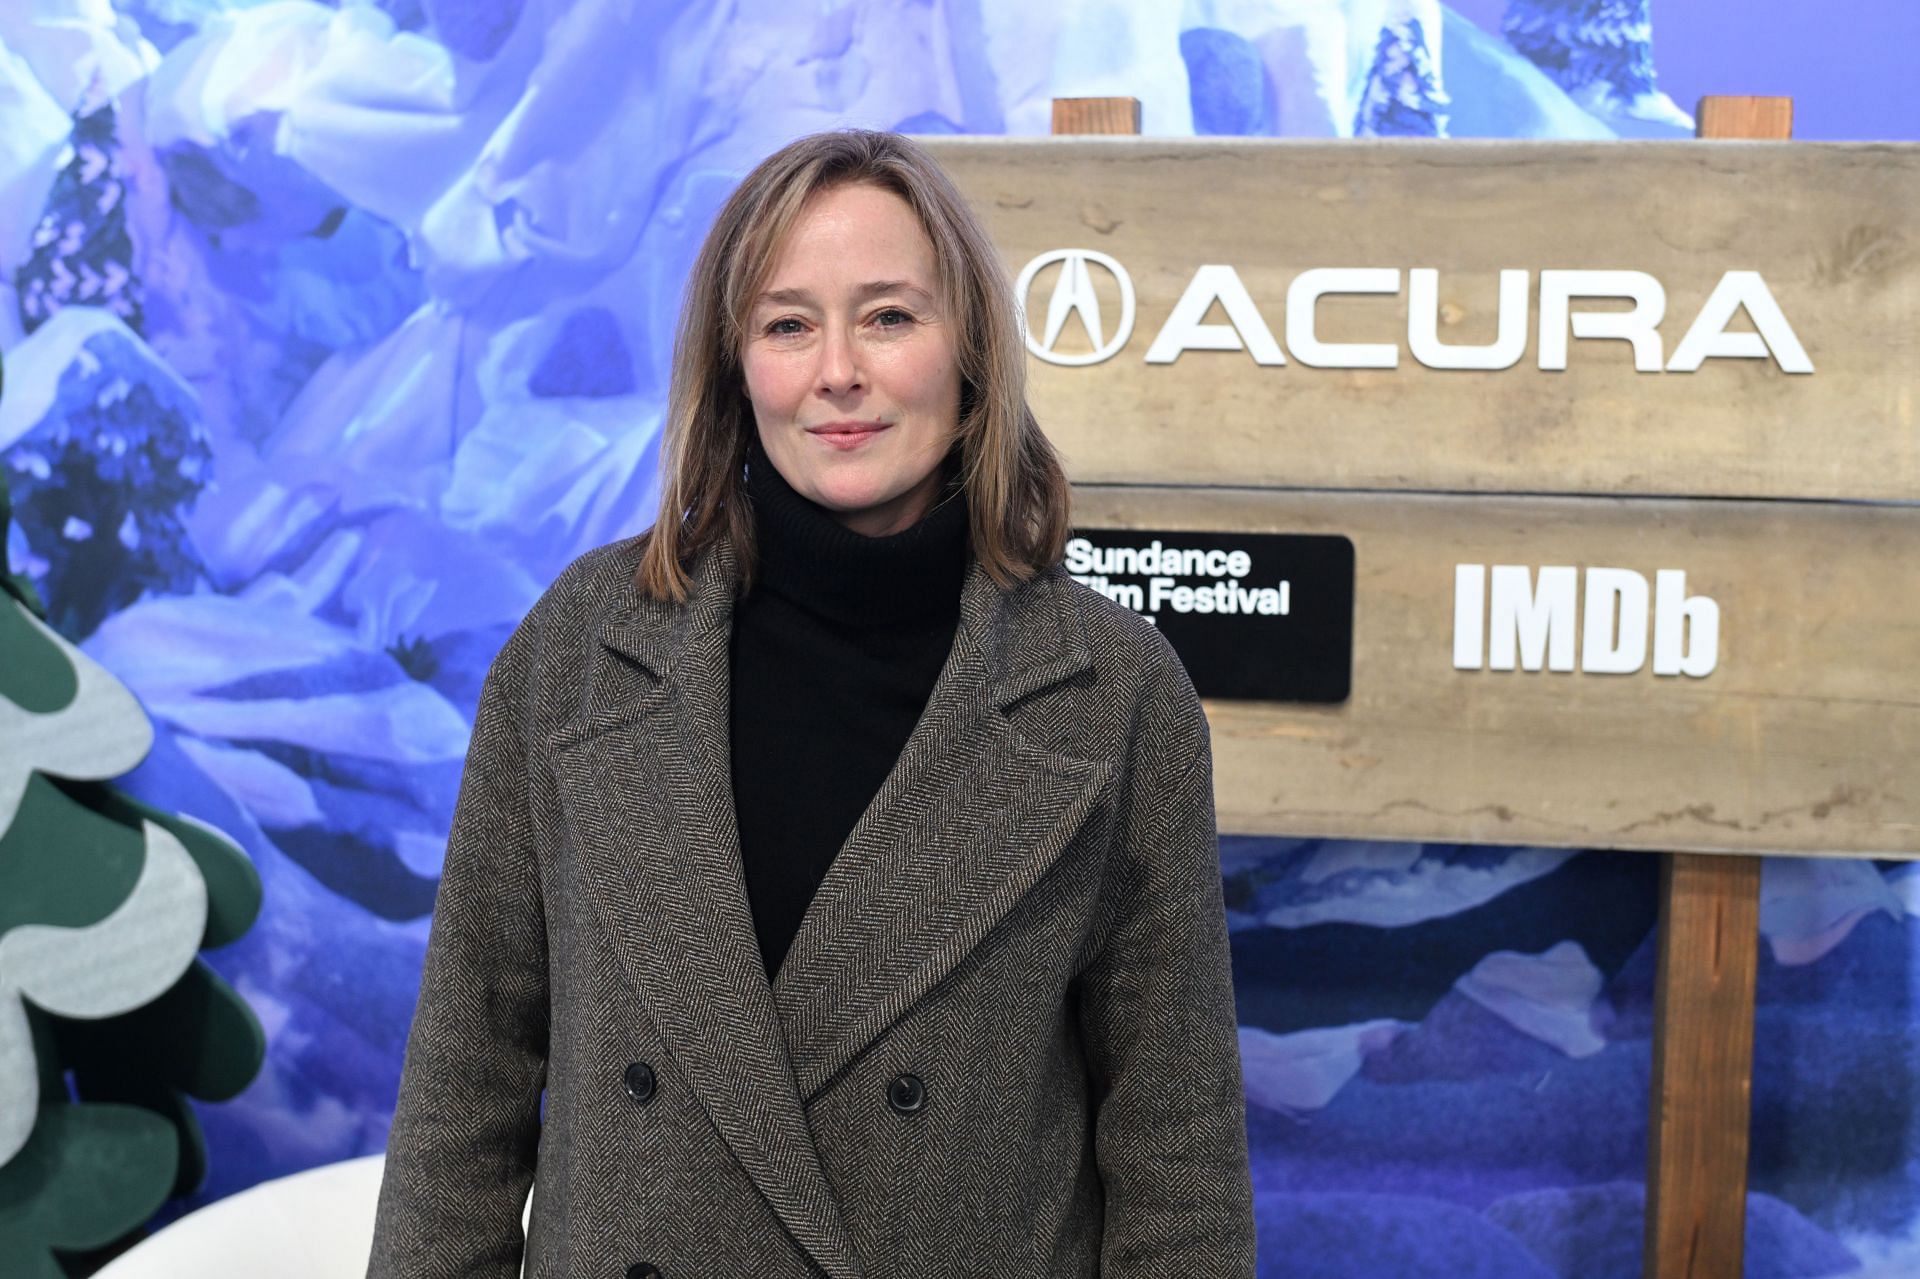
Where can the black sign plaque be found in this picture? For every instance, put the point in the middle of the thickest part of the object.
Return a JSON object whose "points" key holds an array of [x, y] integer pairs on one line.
{"points": [[1254, 616]]}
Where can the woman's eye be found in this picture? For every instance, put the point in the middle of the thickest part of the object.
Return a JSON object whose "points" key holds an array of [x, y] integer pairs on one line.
{"points": [[892, 318], [785, 328]]}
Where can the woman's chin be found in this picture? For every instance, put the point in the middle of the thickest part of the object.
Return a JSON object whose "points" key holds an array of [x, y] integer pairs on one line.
{"points": [[849, 496]]}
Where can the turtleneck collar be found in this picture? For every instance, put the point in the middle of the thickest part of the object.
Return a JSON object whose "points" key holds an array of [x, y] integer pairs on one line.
{"points": [[809, 557]]}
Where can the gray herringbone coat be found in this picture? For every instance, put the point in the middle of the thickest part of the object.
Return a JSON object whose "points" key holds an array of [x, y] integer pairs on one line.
{"points": [[1028, 918]]}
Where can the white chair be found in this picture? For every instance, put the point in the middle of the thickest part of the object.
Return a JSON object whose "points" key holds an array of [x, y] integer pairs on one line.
{"points": [[316, 1224]]}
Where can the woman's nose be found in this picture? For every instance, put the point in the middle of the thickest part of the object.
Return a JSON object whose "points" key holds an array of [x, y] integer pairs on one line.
{"points": [[839, 362]]}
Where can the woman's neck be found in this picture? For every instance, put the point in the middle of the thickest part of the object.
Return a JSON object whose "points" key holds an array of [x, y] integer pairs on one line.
{"points": [[806, 554]]}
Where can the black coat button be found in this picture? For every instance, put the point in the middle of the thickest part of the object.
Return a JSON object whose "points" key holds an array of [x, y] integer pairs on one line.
{"points": [[643, 1270], [906, 1094], [640, 1086]]}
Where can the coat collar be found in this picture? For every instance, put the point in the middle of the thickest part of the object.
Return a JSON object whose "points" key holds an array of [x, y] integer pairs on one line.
{"points": [[970, 818], [1031, 637]]}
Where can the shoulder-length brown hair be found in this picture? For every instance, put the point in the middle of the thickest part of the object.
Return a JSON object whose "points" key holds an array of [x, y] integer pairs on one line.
{"points": [[1017, 494]]}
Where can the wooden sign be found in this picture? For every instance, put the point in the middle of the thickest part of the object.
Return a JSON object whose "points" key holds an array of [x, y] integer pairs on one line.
{"points": [[1623, 436], [1671, 318], [1795, 725]]}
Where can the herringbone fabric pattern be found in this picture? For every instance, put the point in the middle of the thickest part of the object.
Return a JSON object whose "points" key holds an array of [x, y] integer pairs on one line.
{"points": [[1027, 919]]}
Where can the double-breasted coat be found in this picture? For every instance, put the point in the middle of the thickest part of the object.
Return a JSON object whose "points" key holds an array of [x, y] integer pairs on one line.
{"points": [[1002, 1043]]}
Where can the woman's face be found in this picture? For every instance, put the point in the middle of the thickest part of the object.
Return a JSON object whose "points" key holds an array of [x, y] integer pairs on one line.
{"points": [[849, 361]]}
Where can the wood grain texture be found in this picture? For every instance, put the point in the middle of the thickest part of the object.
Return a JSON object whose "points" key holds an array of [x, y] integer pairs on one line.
{"points": [[1095, 115], [1770, 119], [1802, 740], [1701, 1094], [1828, 226], [1702, 1087]]}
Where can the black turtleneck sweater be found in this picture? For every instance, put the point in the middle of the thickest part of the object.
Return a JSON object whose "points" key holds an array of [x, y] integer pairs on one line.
{"points": [[833, 653]]}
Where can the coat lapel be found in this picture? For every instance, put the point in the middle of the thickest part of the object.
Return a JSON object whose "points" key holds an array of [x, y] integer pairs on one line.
{"points": [[645, 776], [971, 818]]}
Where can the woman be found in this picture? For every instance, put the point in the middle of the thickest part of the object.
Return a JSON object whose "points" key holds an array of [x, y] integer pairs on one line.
{"points": [[839, 718]]}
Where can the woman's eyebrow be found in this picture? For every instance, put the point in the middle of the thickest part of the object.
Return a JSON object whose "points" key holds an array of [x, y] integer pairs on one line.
{"points": [[878, 287], [873, 288]]}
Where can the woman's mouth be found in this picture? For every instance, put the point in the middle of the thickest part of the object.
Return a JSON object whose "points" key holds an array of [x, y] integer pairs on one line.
{"points": [[847, 435]]}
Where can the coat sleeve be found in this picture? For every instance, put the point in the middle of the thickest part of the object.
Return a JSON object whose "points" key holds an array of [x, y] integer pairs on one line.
{"points": [[1157, 1017], [460, 1156]]}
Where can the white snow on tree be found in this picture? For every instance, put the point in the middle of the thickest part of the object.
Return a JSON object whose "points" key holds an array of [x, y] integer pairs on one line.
{"points": [[82, 254], [1402, 97], [1599, 51]]}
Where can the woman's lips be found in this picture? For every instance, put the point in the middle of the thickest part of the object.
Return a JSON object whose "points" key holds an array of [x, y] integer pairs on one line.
{"points": [[847, 435]]}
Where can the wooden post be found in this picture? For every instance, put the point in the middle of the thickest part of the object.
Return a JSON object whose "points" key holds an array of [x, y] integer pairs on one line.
{"points": [[1764, 119], [1701, 1107], [1702, 1096], [1096, 115]]}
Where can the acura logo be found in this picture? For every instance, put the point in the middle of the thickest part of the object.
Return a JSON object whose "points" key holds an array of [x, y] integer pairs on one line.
{"points": [[1218, 286], [1073, 294]]}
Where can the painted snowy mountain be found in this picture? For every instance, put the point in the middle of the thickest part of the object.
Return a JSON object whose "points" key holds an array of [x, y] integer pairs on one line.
{"points": [[407, 275]]}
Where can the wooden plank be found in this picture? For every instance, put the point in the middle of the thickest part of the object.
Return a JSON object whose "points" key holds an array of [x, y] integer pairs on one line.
{"points": [[1701, 1100], [1829, 227], [1702, 1087], [1802, 738], [1096, 115]]}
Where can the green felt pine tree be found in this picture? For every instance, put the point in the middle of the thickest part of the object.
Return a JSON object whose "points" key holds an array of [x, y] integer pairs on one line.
{"points": [[109, 1019]]}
